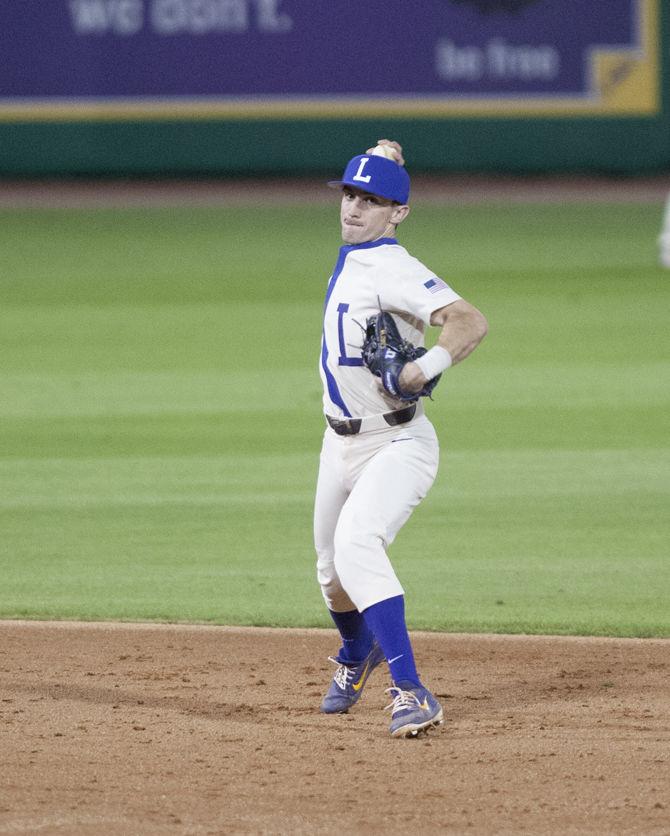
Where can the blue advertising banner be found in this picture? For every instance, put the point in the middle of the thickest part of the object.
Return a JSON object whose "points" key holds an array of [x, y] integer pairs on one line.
{"points": [[98, 59]]}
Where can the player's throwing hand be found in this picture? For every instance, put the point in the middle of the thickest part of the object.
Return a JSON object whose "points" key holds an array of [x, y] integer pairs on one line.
{"points": [[395, 146]]}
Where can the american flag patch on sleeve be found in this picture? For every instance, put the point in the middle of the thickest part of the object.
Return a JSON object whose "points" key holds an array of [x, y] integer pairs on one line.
{"points": [[434, 285]]}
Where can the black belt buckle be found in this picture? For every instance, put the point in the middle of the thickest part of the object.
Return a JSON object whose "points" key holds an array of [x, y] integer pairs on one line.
{"points": [[345, 426], [400, 416]]}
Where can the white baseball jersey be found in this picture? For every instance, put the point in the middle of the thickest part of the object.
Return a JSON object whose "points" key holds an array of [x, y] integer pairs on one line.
{"points": [[367, 277]]}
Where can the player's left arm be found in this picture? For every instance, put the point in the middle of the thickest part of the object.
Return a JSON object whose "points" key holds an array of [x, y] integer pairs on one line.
{"points": [[463, 328]]}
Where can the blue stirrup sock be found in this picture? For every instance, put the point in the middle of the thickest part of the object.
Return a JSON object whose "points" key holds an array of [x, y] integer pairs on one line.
{"points": [[387, 621], [355, 633]]}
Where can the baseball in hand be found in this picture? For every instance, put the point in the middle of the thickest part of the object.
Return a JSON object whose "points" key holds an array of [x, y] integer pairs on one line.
{"points": [[385, 151]]}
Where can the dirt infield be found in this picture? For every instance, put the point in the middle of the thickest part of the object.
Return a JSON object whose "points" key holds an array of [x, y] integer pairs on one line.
{"points": [[454, 189], [150, 729]]}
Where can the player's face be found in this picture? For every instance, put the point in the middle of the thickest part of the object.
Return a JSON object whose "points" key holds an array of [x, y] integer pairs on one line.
{"points": [[365, 217]]}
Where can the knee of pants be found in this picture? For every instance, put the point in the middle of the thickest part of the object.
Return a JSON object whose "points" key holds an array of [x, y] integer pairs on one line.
{"points": [[357, 544], [333, 593]]}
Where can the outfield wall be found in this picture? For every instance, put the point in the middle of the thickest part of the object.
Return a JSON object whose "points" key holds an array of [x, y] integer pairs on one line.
{"points": [[228, 87]]}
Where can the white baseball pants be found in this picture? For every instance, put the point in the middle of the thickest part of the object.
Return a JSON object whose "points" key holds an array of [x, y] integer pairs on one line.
{"points": [[367, 488]]}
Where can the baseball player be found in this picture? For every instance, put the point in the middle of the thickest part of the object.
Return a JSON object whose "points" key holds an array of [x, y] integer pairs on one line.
{"points": [[664, 237], [380, 452]]}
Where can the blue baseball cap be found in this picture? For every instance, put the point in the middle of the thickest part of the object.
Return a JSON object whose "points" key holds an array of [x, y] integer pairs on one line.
{"points": [[377, 175]]}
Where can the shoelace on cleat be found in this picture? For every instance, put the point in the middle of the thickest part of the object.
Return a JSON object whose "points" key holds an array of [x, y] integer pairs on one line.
{"points": [[342, 675], [403, 700]]}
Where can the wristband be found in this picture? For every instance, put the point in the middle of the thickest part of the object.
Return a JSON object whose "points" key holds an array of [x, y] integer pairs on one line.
{"points": [[434, 362]]}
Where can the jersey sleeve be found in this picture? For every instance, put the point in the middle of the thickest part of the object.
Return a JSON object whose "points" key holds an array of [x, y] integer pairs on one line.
{"points": [[410, 286]]}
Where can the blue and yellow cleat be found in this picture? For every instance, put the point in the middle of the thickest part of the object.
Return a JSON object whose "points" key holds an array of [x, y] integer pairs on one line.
{"points": [[413, 710], [347, 685]]}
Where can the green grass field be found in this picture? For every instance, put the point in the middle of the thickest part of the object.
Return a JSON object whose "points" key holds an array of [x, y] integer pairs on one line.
{"points": [[160, 419]]}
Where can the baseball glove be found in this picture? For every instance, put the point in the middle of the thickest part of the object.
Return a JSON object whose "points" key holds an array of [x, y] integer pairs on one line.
{"points": [[385, 353]]}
